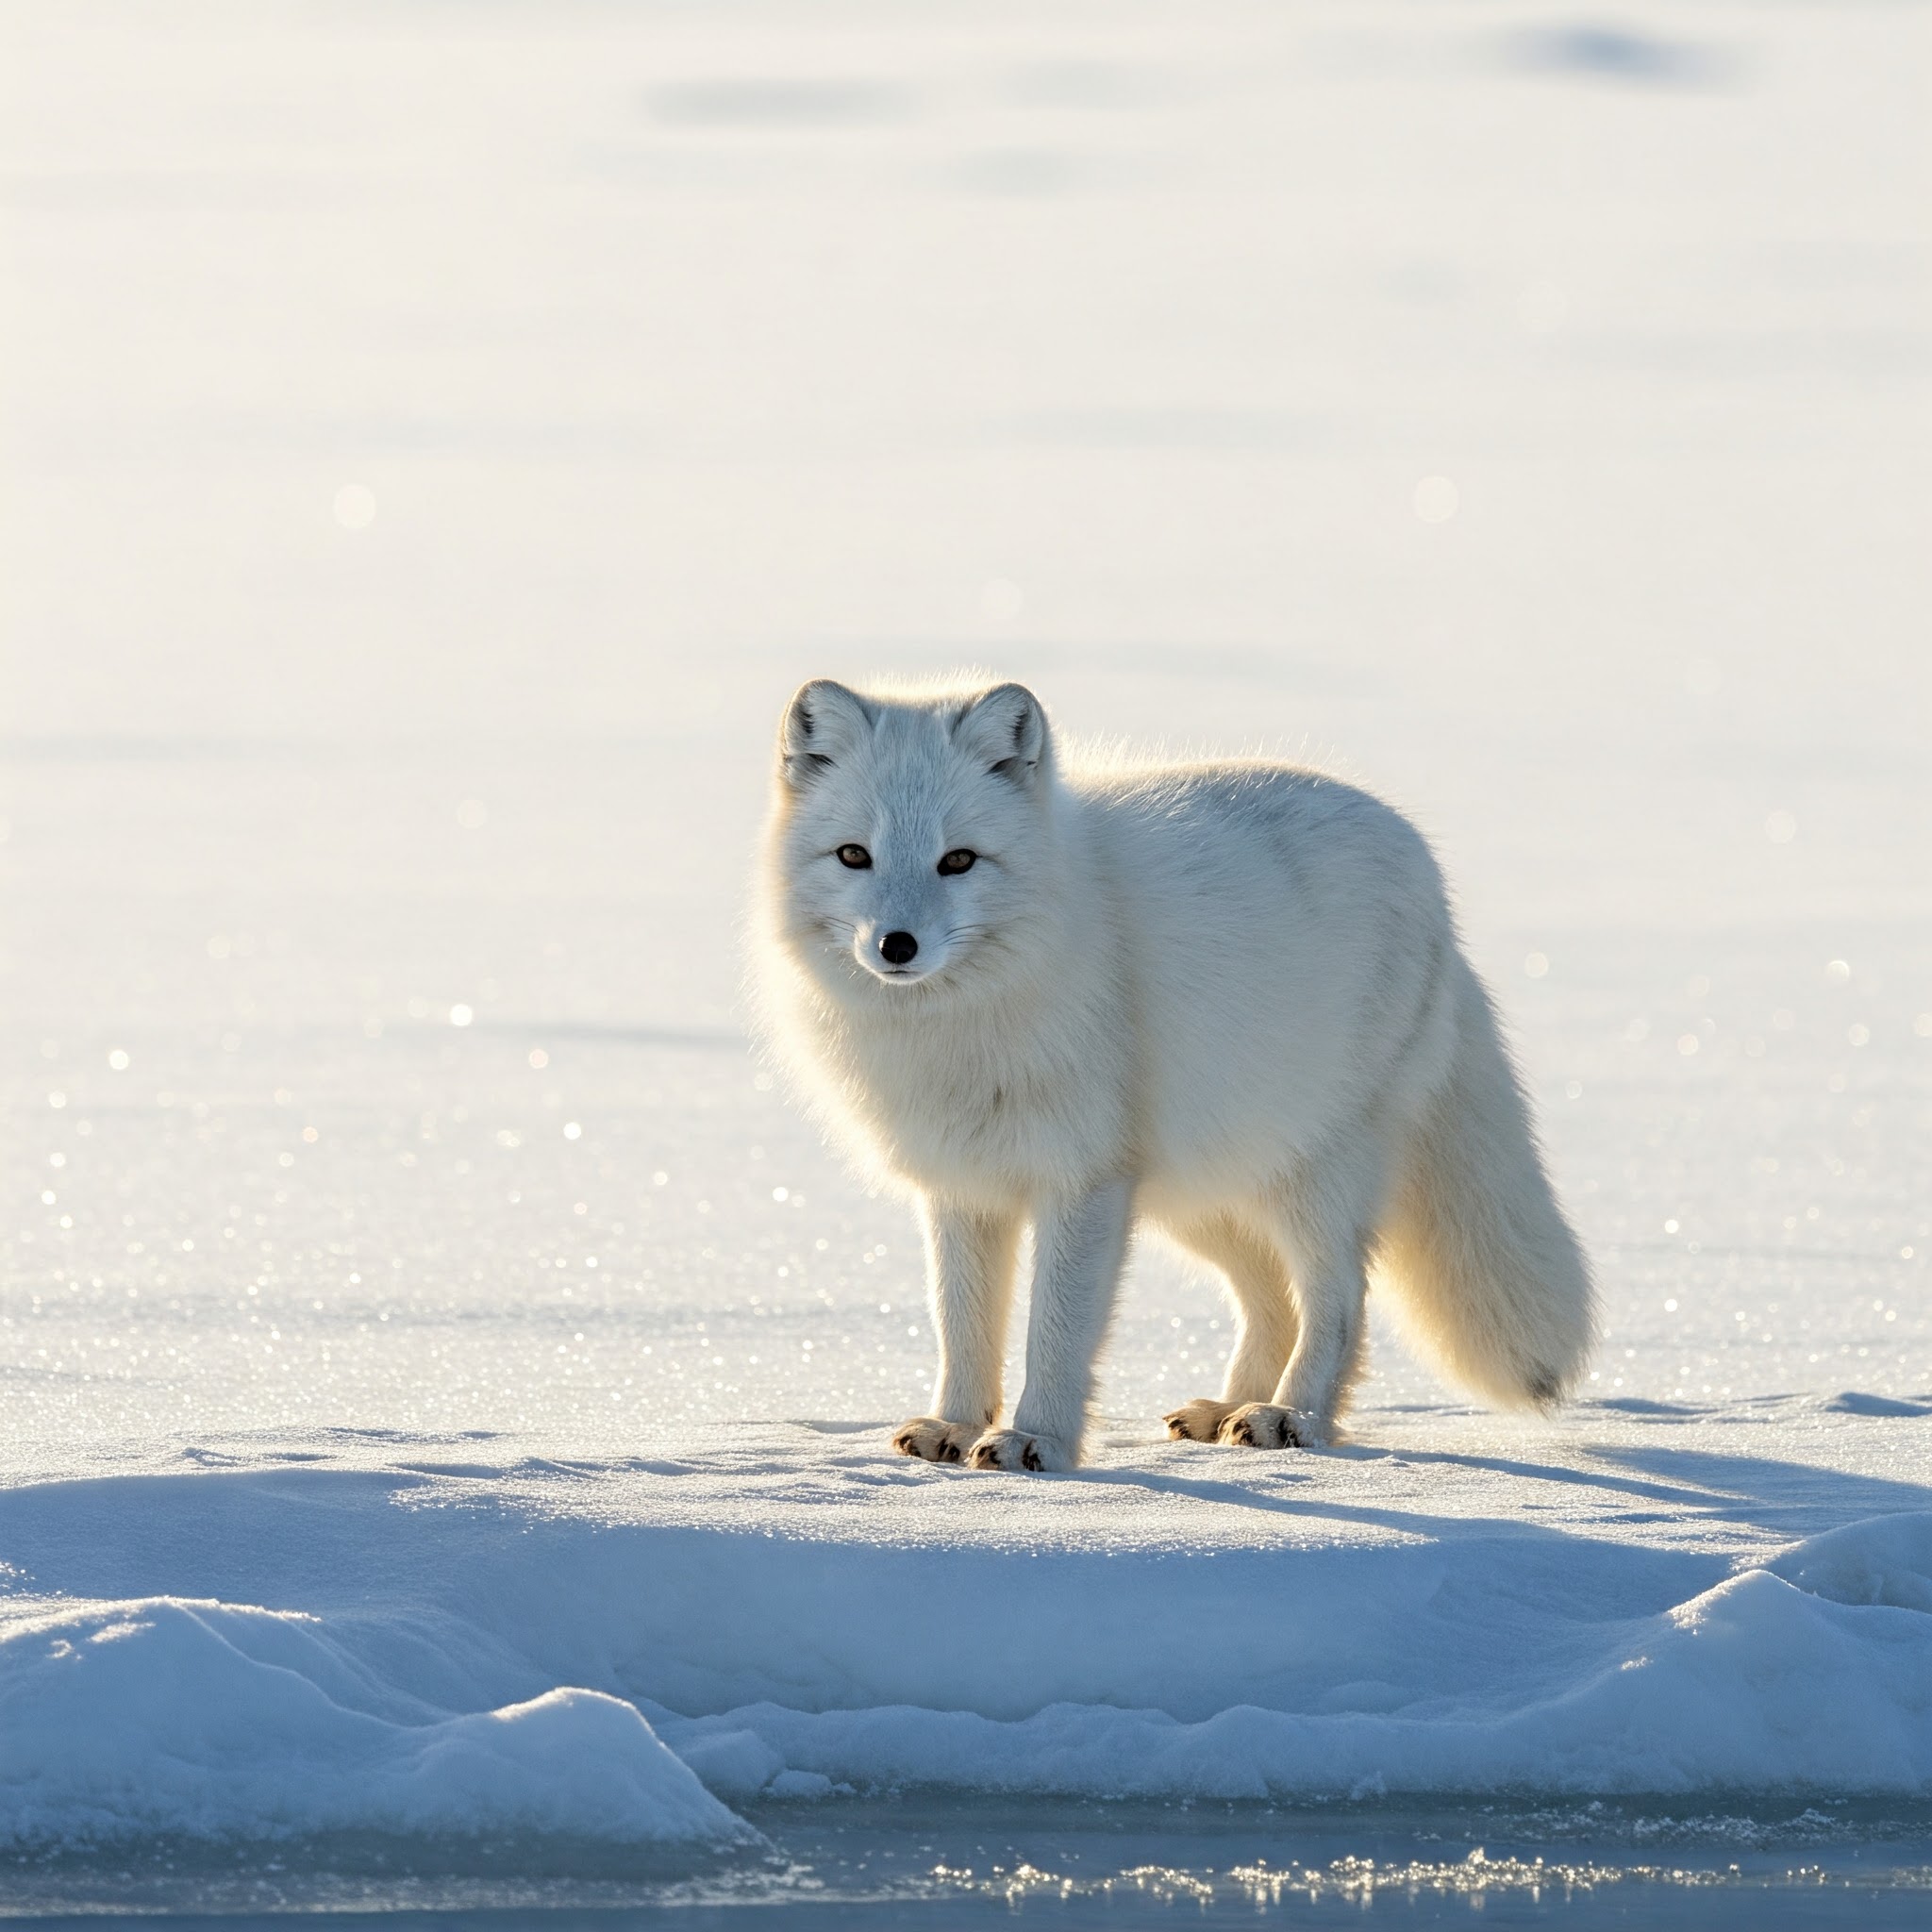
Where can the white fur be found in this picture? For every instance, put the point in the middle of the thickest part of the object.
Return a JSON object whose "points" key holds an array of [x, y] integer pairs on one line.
{"points": [[1225, 999]]}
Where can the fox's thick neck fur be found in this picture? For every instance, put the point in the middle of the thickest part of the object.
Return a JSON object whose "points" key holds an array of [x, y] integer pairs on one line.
{"points": [[1003, 1062], [1224, 997]]}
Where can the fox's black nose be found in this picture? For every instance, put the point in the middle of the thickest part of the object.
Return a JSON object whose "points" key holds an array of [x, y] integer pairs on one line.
{"points": [[897, 947]]}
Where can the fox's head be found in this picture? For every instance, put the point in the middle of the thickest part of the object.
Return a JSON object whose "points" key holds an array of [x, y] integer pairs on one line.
{"points": [[909, 835]]}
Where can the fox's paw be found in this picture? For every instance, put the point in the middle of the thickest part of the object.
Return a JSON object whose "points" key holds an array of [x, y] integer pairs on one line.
{"points": [[933, 1440], [1198, 1421], [1262, 1425], [1010, 1449]]}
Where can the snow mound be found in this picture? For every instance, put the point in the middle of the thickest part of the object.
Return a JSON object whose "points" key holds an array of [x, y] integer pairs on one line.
{"points": [[619, 1653], [1856, 1401], [1813, 1674], [215, 1720], [1887, 1562]]}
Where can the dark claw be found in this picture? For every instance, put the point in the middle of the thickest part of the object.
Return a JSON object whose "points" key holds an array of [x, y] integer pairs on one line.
{"points": [[1030, 1457], [949, 1451]]}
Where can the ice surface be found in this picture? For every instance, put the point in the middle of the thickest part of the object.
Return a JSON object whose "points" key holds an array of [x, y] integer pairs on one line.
{"points": [[445, 1381]]}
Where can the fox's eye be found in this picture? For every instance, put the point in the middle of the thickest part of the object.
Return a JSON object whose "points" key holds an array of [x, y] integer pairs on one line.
{"points": [[960, 861], [856, 856]]}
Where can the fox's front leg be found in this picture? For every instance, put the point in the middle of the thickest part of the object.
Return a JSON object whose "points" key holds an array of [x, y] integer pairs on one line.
{"points": [[970, 1255], [1079, 1242]]}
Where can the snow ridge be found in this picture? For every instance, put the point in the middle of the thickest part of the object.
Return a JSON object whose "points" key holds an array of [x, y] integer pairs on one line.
{"points": [[562, 1650]]}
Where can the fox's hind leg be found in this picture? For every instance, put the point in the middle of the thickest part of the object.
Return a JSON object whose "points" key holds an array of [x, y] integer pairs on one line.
{"points": [[1266, 1325], [970, 1255]]}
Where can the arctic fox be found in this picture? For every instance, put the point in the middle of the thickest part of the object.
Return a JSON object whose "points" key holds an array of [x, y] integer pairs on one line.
{"points": [[1225, 998]]}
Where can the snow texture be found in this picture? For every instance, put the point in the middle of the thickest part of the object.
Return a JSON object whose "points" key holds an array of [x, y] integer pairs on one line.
{"points": [[210, 1719], [795, 1610], [446, 1385]]}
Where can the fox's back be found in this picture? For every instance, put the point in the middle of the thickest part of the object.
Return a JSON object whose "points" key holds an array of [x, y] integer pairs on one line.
{"points": [[1283, 931]]}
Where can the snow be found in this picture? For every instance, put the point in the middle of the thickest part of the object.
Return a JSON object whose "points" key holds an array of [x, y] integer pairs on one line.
{"points": [[371, 1635], [446, 1383], [168, 1715]]}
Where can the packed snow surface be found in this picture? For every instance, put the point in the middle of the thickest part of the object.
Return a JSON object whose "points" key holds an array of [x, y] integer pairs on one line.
{"points": [[446, 1385], [439, 1636]]}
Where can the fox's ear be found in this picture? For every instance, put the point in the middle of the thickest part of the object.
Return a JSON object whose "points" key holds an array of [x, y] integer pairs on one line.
{"points": [[1007, 727], [824, 723]]}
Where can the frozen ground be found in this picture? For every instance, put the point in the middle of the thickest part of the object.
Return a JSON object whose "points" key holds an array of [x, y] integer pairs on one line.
{"points": [[445, 1383]]}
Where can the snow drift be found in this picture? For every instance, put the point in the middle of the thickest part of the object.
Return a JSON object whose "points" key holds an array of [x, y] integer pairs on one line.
{"points": [[214, 1719], [547, 1648]]}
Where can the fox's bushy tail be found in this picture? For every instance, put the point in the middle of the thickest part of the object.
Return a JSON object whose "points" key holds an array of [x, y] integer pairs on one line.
{"points": [[1482, 1264]]}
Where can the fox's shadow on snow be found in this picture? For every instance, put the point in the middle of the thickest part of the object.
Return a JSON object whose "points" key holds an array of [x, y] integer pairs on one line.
{"points": [[1780, 1498]]}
